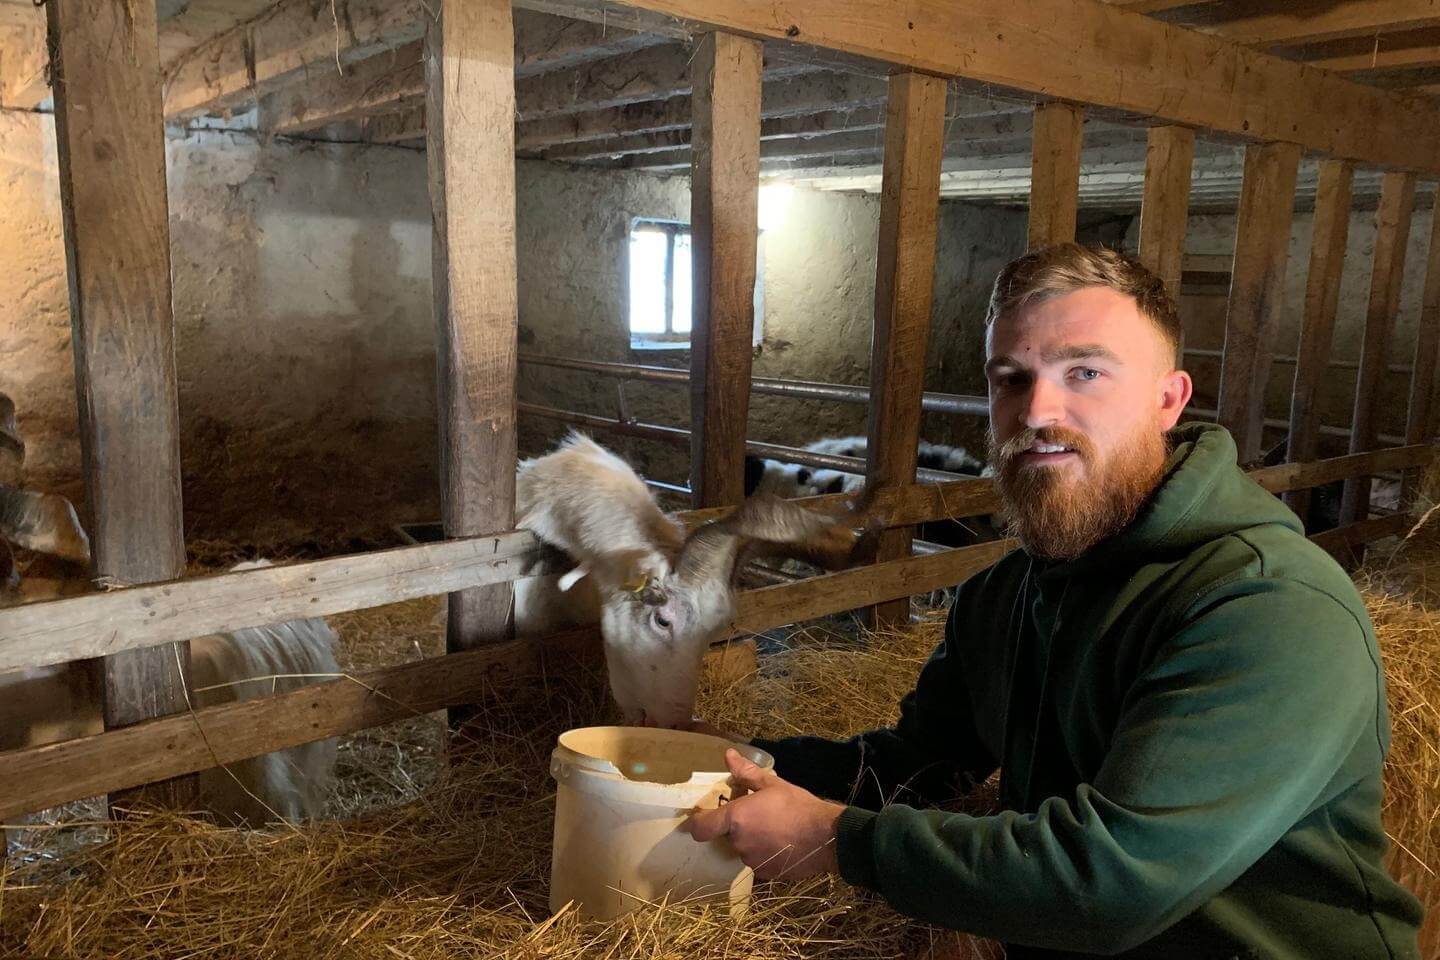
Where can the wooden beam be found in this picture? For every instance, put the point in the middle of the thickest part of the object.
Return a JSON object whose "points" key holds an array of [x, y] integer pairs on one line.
{"points": [[1403, 52], [1153, 6], [724, 191], [1289, 477], [469, 62], [1347, 543], [1169, 160], [24, 62], [1257, 288], [390, 81], [397, 127], [1269, 23], [41, 777], [1423, 410], [1387, 274], [797, 96], [1331, 229], [1055, 173], [1152, 68], [904, 284], [776, 128], [110, 148]]}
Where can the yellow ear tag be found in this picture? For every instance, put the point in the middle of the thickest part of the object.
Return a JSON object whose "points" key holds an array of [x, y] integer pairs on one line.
{"points": [[632, 586]]}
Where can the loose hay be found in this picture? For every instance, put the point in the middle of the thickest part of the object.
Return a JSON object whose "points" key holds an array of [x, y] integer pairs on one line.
{"points": [[460, 870]]}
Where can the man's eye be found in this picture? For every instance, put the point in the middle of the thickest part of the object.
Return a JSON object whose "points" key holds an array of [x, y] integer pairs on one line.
{"points": [[1086, 373]]}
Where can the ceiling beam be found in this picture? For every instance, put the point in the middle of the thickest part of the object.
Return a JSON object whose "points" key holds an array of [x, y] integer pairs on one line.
{"points": [[1153, 6], [1150, 68], [1399, 52], [396, 127], [1268, 23]]}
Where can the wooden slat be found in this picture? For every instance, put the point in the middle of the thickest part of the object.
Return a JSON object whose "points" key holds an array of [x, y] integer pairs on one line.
{"points": [[1056, 50], [470, 108], [904, 281], [1257, 284], [41, 777], [24, 61], [1347, 542], [1392, 233], [1270, 23], [110, 148], [97, 624], [1169, 158], [1369, 56], [724, 187], [1301, 476], [1331, 228], [1421, 413], [1055, 173]]}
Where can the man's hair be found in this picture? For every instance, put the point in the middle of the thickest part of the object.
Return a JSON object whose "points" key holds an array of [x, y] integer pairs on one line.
{"points": [[1063, 268]]}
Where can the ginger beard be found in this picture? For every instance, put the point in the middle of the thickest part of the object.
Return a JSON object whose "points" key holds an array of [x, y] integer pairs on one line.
{"points": [[1060, 511]]}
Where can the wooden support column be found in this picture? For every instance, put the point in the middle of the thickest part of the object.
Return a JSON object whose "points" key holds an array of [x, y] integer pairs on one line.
{"points": [[470, 133], [1392, 232], [1424, 409], [1164, 210], [904, 284], [724, 230], [110, 148], [1257, 286], [1322, 299], [1055, 173]]}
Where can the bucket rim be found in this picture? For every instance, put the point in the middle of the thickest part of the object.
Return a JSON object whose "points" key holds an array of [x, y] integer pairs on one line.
{"points": [[590, 764]]}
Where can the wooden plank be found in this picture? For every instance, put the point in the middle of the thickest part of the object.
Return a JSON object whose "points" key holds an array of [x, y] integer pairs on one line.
{"points": [[1164, 208], [1387, 274], [1055, 173], [1257, 286], [41, 777], [24, 61], [110, 149], [98, 624], [1151, 68], [1300, 476], [1331, 228], [1369, 55], [1347, 542], [1421, 412], [1269, 23], [724, 229], [397, 127], [904, 284], [470, 106]]}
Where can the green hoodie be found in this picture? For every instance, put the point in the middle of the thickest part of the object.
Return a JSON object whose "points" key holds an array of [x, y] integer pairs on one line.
{"points": [[1190, 719]]}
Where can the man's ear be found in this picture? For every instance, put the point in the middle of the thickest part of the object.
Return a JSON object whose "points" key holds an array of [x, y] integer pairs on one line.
{"points": [[1176, 389]]}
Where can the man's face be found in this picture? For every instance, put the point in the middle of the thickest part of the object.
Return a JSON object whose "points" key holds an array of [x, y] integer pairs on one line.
{"points": [[1082, 391]]}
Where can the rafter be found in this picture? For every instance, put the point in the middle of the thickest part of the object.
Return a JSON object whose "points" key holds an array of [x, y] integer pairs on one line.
{"points": [[1414, 49], [1266, 23]]}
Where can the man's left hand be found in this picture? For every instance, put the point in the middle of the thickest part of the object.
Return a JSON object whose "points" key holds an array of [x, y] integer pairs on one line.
{"points": [[779, 829]]}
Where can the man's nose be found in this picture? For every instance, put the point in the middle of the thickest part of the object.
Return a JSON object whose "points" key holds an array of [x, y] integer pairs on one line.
{"points": [[1045, 406]]}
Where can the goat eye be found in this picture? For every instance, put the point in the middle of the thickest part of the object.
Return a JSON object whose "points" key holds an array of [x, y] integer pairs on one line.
{"points": [[662, 622]]}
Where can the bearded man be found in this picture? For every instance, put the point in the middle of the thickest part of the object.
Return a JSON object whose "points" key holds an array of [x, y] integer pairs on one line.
{"points": [[1183, 694]]}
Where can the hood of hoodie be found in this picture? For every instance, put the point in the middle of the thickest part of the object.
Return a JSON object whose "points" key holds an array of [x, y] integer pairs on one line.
{"points": [[1202, 497]]}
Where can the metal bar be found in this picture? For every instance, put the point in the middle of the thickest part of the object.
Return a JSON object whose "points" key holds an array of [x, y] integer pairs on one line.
{"points": [[951, 403], [679, 437], [1388, 439], [1341, 364]]}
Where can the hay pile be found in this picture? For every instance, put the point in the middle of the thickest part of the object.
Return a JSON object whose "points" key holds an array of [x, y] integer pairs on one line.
{"points": [[460, 870]]}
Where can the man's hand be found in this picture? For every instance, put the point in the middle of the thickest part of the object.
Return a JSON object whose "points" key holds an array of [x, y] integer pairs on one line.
{"points": [[778, 829]]}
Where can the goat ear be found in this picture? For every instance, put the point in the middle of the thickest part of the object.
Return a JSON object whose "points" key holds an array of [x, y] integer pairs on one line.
{"points": [[621, 570]]}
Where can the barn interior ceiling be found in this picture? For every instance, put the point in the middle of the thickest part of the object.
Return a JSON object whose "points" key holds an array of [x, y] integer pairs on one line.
{"points": [[609, 87]]}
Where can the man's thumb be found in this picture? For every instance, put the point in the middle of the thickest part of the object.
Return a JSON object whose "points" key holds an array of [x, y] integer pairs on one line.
{"points": [[747, 774]]}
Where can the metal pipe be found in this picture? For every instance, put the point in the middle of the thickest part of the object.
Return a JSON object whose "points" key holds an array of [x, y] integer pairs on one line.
{"points": [[951, 403], [679, 437], [1388, 439]]}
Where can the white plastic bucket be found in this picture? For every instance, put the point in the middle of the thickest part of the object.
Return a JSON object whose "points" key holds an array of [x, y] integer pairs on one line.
{"points": [[621, 795]]}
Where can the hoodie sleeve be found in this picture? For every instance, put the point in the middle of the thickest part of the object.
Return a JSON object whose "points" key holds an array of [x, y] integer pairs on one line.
{"points": [[1235, 732], [934, 754]]}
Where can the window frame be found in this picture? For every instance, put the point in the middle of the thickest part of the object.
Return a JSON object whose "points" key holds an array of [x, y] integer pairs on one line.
{"points": [[669, 339]]}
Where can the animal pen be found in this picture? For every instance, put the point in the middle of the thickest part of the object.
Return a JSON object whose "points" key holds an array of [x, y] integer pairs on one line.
{"points": [[1063, 64]]}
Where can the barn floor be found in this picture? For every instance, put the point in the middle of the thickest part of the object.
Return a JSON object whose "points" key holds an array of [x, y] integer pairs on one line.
{"points": [[419, 860]]}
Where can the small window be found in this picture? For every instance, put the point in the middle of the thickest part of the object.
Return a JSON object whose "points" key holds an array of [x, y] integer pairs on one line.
{"points": [[660, 285]]}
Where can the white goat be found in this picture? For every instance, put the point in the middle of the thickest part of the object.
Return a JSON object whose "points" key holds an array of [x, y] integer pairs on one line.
{"points": [[791, 480], [661, 598]]}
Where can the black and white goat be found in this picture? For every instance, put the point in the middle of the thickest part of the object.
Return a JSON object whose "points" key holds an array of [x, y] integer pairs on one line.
{"points": [[661, 596]]}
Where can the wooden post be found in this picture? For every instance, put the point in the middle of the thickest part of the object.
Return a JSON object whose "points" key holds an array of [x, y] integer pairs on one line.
{"points": [[1055, 173], [904, 284], [1322, 298], [1257, 286], [470, 133], [1421, 412], [110, 146], [724, 192], [1169, 157], [1392, 232]]}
